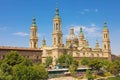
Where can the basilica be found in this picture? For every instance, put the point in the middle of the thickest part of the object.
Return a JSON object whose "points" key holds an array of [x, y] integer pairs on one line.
{"points": [[76, 45]]}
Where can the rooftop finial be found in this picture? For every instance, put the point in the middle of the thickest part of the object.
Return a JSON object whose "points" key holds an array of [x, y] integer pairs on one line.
{"points": [[81, 30], [34, 21], [57, 11], [105, 24], [56, 4], [43, 41]]}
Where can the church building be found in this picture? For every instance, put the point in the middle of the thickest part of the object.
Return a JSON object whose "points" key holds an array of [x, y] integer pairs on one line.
{"points": [[76, 45]]}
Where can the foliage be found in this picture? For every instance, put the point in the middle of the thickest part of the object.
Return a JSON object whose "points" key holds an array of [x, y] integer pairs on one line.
{"points": [[16, 67], [41, 71], [107, 74], [48, 61], [35, 72], [114, 78], [75, 63], [21, 72], [72, 69], [89, 75], [84, 61], [114, 68], [26, 62], [65, 60], [96, 64], [5, 68], [12, 58]]}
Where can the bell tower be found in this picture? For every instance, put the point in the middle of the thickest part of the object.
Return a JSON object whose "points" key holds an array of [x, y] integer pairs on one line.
{"points": [[57, 31], [33, 35], [106, 41]]}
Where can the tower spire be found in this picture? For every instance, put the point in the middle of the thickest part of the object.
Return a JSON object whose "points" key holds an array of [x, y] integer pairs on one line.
{"points": [[57, 11], [34, 22], [105, 24], [81, 32], [43, 42]]}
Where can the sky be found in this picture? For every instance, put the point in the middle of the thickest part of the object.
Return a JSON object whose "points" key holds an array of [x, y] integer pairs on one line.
{"points": [[16, 18]]}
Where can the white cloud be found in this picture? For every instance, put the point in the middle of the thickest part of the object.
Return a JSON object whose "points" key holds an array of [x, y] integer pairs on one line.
{"points": [[84, 11], [22, 34], [89, 31]]}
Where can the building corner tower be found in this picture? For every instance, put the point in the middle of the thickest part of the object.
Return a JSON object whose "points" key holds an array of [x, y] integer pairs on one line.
{"points": [[106, 41], [57, 30], [33, 35]]}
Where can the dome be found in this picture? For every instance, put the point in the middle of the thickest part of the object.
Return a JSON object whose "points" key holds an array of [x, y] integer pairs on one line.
{"points": [[72, 37]]}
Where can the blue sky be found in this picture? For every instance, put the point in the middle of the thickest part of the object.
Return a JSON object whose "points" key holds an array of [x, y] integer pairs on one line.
{"points": [[16, 17]]}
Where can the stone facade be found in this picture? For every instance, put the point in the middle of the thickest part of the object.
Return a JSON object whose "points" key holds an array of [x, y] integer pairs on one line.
{"points": [[33, 54]]}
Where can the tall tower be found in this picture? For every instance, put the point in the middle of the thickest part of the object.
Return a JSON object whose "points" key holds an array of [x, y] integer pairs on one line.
{"points": [[106, 41], [57, 31], [33, 35]]}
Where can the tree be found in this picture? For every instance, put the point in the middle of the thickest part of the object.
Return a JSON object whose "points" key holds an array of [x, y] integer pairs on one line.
{"points": [[114, 68], [41, 71], [16, 67], [84, 61], [48, 61], [65, 60], [89, 75], [72, 69], [21, 72], [75, 63], [95, 64], [26, 62], [5, 68], [12, 58]]}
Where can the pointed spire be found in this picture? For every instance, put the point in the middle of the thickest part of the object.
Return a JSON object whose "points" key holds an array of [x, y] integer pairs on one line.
{"points": [[81, 32], [105, 25], [43, 42], [34, 22], [57, 11]]}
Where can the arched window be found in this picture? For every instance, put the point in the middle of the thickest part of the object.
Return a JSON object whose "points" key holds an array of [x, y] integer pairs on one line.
{"points": [[54, 40], [97, 55], [106, 35], [56, 26], [59, 40], [37, 57], [92, 55], [105, 46], [35, 45]]}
